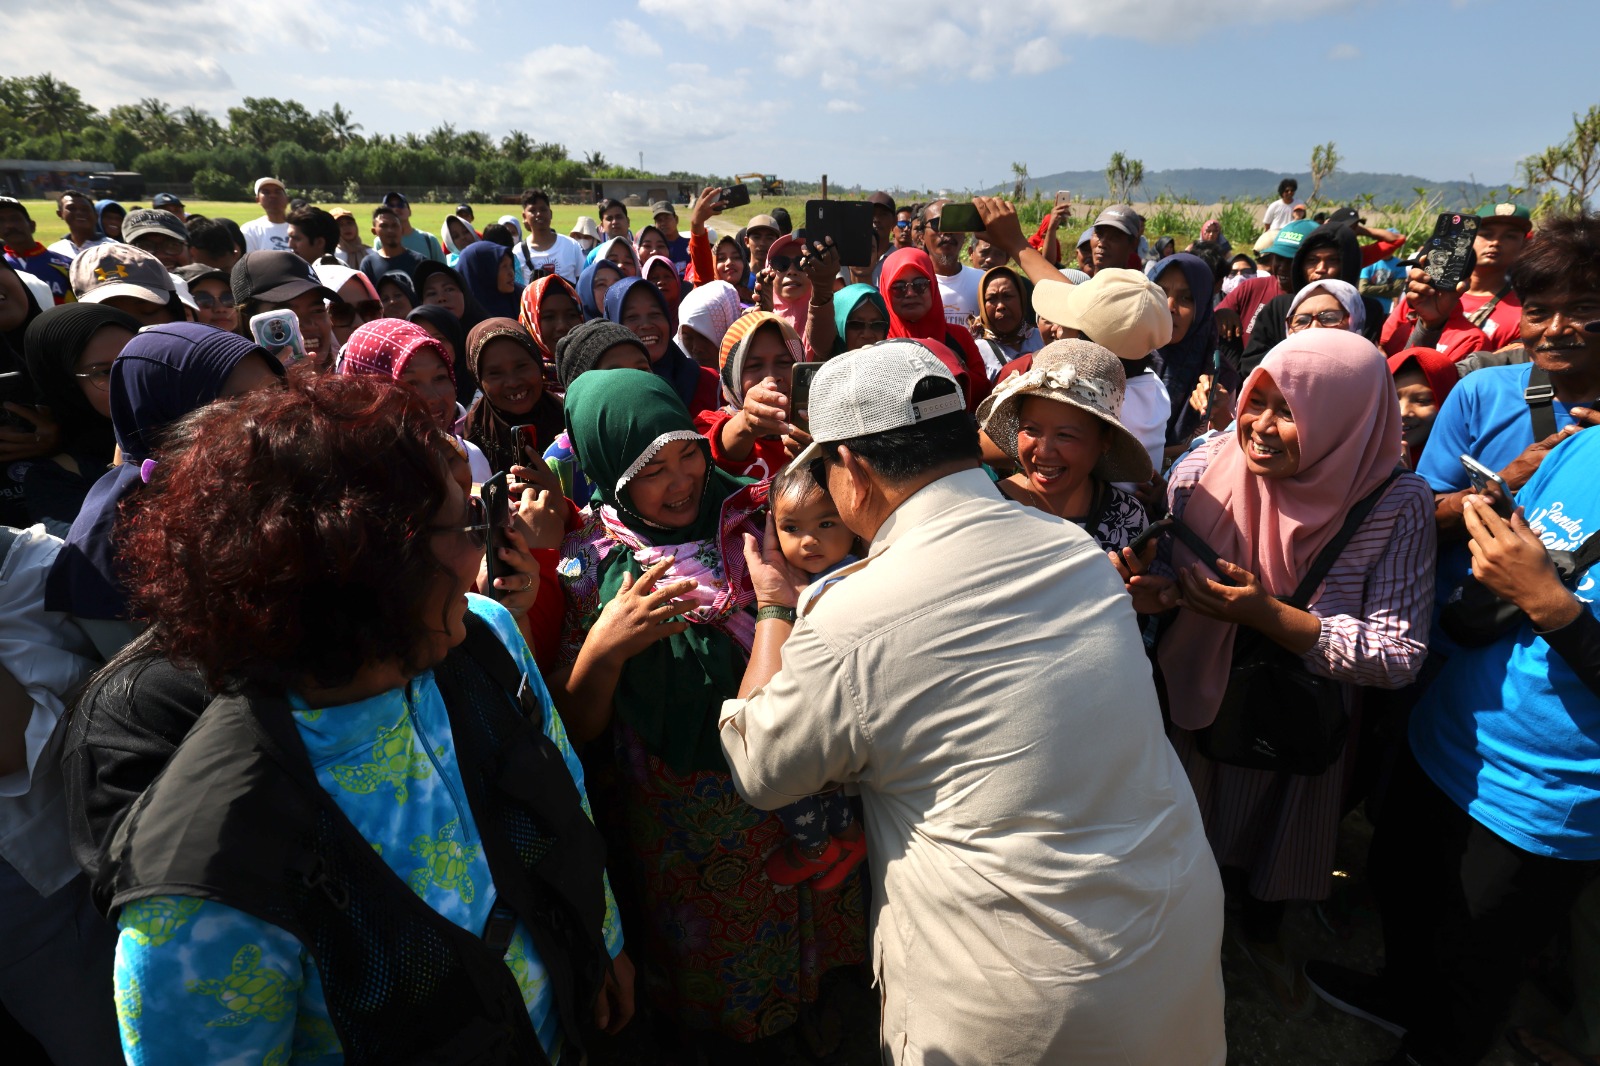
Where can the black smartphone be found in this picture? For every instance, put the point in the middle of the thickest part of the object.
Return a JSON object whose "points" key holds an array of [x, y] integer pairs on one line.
{"points": [[848, 222], [1151, 532], [496, 496], [959, 218], [800, 393], [16, 387], [734, 196], [1486, 482], [1449, 250], [528, 437]]}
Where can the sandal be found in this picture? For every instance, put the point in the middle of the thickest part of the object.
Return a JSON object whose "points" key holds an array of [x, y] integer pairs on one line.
{"points": [[854, 851], [1518, 1039], [790, 866]]}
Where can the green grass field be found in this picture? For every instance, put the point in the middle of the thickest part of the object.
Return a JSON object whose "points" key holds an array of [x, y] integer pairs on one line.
{"points": [[430, 217]]}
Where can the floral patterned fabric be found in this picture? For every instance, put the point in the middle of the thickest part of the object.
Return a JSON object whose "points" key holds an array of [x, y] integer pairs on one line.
{"points": [[727, 949], [201, 982]]}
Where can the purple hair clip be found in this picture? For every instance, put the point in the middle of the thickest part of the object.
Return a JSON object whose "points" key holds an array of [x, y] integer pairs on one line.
{"points": [[147, 468]]}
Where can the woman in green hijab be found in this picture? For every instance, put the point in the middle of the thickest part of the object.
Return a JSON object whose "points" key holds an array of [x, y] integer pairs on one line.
{"points": [[659, 626], [860, 316]]}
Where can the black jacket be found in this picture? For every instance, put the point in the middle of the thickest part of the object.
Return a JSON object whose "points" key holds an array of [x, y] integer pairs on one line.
{"points": [[1270, 327]]}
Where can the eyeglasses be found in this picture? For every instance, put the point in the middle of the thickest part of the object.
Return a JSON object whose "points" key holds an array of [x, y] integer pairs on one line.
{"points": [[916, 287], [99, 377], [902, 223], [1325, 319], [478, 531], [346, 314], [783, 263], [876, 325], [206, 302], [931, 222]]}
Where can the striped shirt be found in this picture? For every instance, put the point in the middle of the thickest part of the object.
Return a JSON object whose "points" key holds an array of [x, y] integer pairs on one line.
{"points": [[1374, 606]]}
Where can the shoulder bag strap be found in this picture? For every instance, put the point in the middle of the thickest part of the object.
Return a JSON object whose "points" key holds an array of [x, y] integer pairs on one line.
{"points": [[1540, 398], [1330, 552], [1587, 555]]}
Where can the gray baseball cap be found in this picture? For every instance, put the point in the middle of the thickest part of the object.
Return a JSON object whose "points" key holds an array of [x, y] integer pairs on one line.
{"points": [[869, 391], [1122, 217]]}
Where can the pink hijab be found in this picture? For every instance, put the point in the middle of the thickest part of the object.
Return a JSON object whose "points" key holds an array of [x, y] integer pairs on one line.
{"points": [[1339, 388], [795, 312]]}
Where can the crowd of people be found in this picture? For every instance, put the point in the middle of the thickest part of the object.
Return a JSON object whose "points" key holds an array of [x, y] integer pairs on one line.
{"points": [[659, 644]]}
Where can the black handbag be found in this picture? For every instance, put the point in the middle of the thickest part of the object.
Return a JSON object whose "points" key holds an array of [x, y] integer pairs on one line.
{"points": [[1473, 616], [1275, 714]]}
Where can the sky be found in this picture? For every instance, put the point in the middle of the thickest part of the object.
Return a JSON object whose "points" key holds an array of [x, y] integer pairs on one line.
{"points": [[881, 93]]}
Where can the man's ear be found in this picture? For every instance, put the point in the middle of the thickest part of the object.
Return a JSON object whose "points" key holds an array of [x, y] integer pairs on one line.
{"points": [[862, 488]]}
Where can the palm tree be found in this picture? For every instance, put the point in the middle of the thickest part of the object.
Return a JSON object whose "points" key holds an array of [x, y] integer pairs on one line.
{"points": [[595, 161], [474, 144], [516, 146], [156, 121], [54, 104], [442, 138], [200, 130], [1019, 188], [340, 128]]}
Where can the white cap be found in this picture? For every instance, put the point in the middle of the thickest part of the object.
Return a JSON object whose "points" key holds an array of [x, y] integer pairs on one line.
{"points": [[869, 391], [184, 294], [268, 181]]}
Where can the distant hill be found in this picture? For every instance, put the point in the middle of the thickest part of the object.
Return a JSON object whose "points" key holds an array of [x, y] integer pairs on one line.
{"points": [[1209, 186]]}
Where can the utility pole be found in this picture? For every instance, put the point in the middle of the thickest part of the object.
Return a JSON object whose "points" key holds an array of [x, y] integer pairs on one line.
{"points": [[641, 160], [824, 186]]}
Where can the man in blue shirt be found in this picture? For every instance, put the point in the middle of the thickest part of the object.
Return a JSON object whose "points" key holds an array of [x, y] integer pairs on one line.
{"points": [[1491, 825]]}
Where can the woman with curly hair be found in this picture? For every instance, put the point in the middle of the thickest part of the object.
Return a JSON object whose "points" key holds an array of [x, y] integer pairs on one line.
{"points": [[393, 859]]}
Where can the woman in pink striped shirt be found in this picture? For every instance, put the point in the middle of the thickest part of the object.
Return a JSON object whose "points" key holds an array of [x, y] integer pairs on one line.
{"points": [[1318, 429]]}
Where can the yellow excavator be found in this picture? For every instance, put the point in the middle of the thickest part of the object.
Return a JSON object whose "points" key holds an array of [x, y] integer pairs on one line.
{"points": [[767, 184]]}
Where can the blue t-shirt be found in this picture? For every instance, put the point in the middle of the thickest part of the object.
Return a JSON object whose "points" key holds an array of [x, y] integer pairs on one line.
{"points": [[1508, 731], [1381, 273], [1485, 417]]}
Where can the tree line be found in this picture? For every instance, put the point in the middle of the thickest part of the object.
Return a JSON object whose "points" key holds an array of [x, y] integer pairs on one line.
{"points": [[42, 117]]}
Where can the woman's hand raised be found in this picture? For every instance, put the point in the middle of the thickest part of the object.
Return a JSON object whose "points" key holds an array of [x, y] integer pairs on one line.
{"points": [[1000, 225], [706, 205], [776, 582], [642, 612]]}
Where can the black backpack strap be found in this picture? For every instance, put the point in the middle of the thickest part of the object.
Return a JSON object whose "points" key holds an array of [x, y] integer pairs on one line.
{"points": [[1540, 397], [1330, 551], [489, 652], [1587, 555]]}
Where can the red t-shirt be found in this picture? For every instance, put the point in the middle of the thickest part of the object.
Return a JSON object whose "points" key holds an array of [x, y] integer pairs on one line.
{"points": [[767, 457], [1458, 339], [1248, 298], [1504, 324]]}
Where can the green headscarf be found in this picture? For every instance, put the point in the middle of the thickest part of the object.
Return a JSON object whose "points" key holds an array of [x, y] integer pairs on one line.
{"points": [[847, 300], [670, 693]]}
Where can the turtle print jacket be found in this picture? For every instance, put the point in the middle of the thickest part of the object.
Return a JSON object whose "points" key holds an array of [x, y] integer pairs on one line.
{"points": [[199, 981]]}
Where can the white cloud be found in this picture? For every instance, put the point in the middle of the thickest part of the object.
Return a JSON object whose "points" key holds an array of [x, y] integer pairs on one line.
{"points": [[1037, 56], [632, 38], [835, 43], [841, 107], [1340, 52]]}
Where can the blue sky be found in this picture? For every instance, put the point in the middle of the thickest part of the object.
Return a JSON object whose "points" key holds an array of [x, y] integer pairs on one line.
{"points": [[910, 93]]}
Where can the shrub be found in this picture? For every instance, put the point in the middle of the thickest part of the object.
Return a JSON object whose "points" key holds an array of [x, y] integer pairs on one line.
{"points": [[210, 184]]}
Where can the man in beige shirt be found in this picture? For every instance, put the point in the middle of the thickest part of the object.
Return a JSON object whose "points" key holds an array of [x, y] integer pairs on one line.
{"points": [[1043, 890]]}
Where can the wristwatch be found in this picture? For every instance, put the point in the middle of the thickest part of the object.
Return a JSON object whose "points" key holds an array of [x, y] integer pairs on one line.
{"points": [[778, 611]]}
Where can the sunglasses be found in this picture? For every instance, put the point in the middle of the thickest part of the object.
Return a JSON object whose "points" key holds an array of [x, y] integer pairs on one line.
{"points": [[206, 302], [876, 325], [346, 314], [478, 531], [783, 263], [916, 286], [902, 223]]}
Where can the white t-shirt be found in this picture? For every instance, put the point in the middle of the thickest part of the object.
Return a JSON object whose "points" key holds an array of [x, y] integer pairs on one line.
{"points": [[565, 255], [1278, 214], [70, 250], [262, 235], [1146, 407], [960, 294]]}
